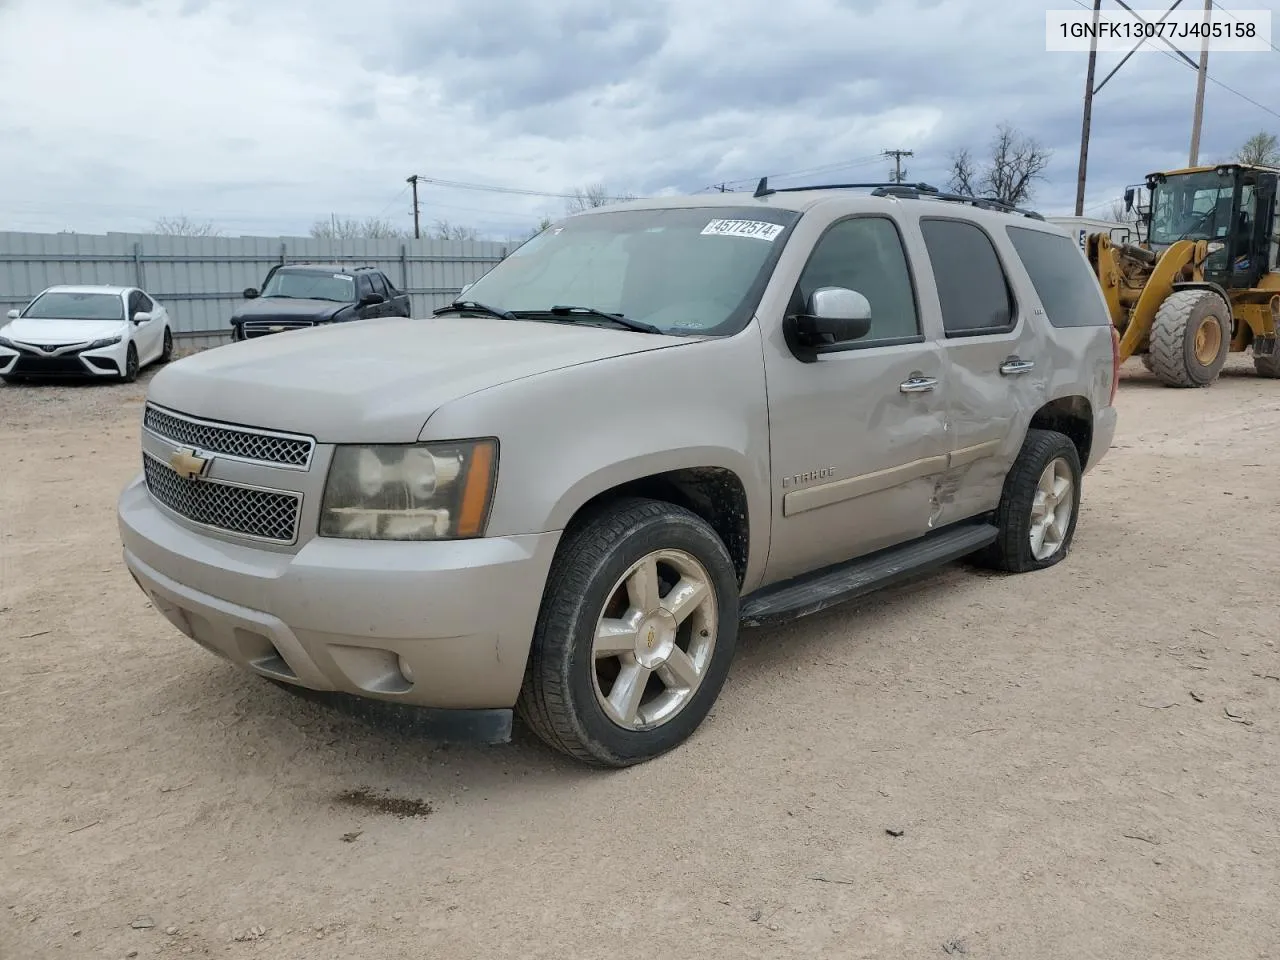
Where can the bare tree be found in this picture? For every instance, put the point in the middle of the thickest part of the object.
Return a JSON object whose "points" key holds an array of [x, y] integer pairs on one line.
{"points": [[595, 195], [444, 230], [1016, 162], [184, 226], [349, 228], [1262, 148]]}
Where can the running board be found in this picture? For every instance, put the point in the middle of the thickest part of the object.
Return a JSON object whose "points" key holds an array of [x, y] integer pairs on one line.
{"points": [[810, 593]]}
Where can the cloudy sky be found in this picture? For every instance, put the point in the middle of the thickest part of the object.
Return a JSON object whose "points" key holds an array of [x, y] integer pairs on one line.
{"points": [[264, 115]]}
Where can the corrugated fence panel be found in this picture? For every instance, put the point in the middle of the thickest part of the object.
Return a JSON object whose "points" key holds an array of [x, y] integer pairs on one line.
{"points": [[201, 279]]}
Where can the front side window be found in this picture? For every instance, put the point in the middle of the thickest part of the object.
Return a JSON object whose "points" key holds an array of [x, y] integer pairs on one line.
{"points": [[76, 306], [971, 283], [865, 254], [1192, 206], [695, 271], [310, 285], [379, 287]]}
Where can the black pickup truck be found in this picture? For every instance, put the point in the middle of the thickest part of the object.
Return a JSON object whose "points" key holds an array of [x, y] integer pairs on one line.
{"points": [[300, 295]]}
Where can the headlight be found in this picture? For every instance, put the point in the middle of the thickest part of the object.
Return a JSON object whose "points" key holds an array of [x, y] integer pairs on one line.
{"points": [[6, 342], [105, 342], [421, 491]]}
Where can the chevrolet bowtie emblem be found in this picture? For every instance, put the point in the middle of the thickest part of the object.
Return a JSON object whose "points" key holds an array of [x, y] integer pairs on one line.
{"points": [[188, 464]]}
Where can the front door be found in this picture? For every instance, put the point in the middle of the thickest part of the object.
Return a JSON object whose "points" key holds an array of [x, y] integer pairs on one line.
{"points": [[858, 437]]}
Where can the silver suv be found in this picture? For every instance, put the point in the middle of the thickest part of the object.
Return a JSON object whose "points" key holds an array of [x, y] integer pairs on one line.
{"points": [[649, 425]]}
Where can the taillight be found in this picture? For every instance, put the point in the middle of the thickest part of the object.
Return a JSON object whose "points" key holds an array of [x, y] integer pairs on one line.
{"points": [[1115, 366]]}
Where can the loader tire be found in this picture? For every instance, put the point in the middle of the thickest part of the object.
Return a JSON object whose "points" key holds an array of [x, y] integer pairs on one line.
{"points": [[1267, 366], [1190, 338], [1147, 364]]}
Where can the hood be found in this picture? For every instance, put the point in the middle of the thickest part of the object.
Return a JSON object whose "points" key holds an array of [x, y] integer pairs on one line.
{"points": [[270, 308], [48, 332], [378, 381]]}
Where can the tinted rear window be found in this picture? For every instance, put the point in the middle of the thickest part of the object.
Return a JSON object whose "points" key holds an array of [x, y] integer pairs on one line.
{"points": [[1066, 286], [971, 284]]}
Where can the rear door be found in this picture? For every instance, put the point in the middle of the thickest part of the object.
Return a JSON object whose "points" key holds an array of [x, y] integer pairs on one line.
{"points": [[995, 362]]}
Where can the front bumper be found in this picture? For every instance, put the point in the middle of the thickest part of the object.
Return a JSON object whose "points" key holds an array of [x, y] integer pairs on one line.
{"points": [[103, 362], [346, 615]]}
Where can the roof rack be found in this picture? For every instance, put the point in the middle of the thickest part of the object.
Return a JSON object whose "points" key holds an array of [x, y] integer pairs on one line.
{"points": [[910, 191]]}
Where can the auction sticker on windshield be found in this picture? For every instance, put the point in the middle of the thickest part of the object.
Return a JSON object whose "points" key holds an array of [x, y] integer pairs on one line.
{"points": [[742, 228]]}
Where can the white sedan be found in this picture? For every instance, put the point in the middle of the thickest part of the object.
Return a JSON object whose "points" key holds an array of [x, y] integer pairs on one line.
{"points": [[89, 331]]}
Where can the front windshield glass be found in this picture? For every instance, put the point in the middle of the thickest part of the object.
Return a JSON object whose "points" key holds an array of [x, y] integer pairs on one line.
{"points": [[76, 306], [311, 285], [694, 271], [1192, 206]]}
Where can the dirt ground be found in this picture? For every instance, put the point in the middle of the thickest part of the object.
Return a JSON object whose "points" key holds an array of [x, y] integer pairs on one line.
{"points": [[1082, 762]]}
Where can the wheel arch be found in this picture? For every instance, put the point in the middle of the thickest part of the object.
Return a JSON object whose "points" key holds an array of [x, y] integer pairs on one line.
{"points": [[1071, 416], [717, 494]]}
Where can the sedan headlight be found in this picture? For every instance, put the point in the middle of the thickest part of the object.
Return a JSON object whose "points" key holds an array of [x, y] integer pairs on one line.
{"points": [[104, 342], [421, 491], [6, 342]]}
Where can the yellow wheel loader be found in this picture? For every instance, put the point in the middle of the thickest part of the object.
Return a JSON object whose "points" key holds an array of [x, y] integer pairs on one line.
{"points": [[1204, 281]]}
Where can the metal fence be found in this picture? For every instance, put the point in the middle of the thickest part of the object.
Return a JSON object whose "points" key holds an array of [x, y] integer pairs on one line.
{"points": [[200, 279]]}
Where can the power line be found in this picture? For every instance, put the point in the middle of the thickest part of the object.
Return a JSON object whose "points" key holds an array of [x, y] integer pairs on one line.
{"points": [[1208, 76], [510, 191], [825, 168], [1238, 20]]}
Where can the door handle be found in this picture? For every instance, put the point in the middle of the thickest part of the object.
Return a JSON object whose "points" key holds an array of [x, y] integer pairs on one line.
{"points": [[1013, 366], [918, 385]]}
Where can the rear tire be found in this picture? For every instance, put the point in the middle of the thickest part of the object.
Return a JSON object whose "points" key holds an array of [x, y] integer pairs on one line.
{"points": [[635, 635], [166, 351], [1038, 508], [1190, 338]]}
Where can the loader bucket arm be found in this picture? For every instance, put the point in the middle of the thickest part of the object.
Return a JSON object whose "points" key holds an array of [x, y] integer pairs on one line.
{"points": [[1134, 324]]}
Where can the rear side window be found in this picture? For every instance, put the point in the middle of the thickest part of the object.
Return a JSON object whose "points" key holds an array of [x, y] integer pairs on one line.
{"points": [[971, 283], [1066, 286]]}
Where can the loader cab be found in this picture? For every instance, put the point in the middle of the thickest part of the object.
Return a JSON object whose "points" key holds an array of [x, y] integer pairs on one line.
{"points": [[1233, 206]]}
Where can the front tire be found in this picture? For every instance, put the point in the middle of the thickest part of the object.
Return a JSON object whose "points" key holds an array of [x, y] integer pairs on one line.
{"points": [[130, 365], [1190, 338], [634, 639], [1038, 508]]}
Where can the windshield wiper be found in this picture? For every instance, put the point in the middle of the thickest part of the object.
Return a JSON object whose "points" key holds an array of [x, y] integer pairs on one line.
{"points": [[583, 313], [472, 306]]}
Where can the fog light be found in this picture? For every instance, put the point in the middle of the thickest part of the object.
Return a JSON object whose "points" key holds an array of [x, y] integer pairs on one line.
{"points": [[405, 669]]}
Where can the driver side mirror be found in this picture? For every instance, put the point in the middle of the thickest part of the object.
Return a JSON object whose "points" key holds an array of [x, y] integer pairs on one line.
{"points": [[372, 299], [14, 314], [250, 293], [141, 317], [833, 316], [1128, 199]]}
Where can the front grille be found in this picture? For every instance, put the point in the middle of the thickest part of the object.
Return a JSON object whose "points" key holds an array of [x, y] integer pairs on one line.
{"points": [[261, 328], [32, 365], [264, 514], [282, 449]]}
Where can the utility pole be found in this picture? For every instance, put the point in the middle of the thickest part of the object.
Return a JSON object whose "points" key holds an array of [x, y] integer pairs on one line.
{"points": [[413, 181], [1088, 111], [1198, 115], [897, 162]]}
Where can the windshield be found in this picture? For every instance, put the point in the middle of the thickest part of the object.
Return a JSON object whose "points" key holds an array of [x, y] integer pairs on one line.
{"points": [[685, 270], [311, 285], [1192, 206], [76, 306]]}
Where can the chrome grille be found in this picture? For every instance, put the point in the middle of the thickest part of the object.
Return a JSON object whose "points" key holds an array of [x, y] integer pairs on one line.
{"points": [[259, 445], [250, 512]]}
